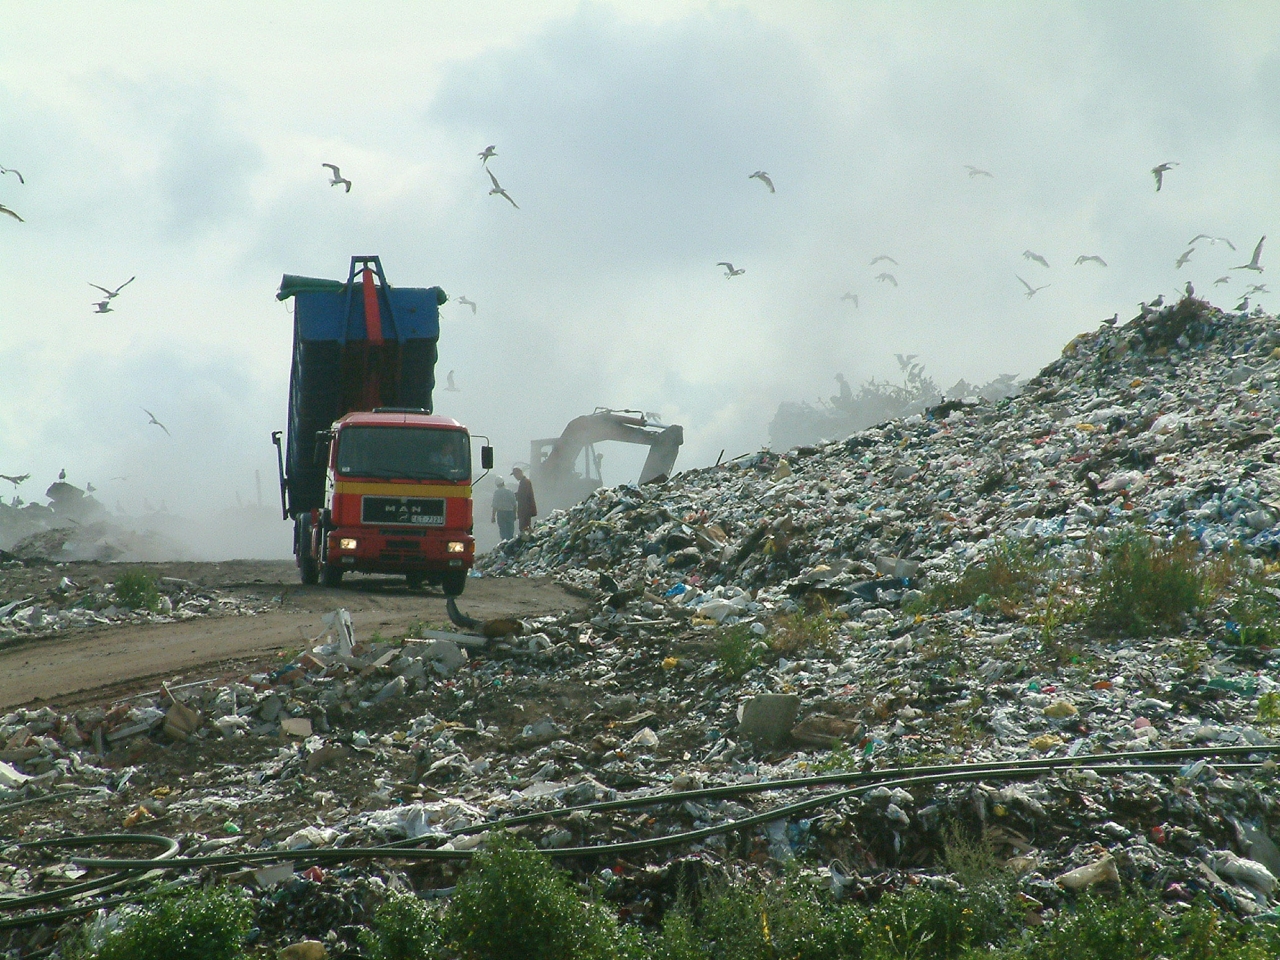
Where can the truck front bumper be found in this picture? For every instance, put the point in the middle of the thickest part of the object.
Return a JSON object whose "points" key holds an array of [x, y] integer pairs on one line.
{"points": [[375, 550]]}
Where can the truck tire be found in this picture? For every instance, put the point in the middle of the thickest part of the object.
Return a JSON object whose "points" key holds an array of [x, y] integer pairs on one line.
{"points": [[331, 575], [454, 582], [307, 566]]}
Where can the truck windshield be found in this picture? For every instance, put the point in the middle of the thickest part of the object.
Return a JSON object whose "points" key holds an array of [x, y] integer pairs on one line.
{"points": [[411, 453]]}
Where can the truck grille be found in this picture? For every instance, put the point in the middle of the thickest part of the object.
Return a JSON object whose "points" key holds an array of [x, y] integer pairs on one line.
{"points": [[409, 511]]}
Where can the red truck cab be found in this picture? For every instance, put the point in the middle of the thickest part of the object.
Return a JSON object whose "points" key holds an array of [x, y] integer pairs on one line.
{"points": [[398, 499]]}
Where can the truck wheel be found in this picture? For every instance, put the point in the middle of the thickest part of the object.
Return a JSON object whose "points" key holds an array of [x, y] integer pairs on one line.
{"points": [[307, 566], [454, 582], [331, 575], [310, 570], [415, 580]]}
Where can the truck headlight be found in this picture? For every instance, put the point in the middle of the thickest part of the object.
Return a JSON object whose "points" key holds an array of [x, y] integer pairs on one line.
{"points": [[456, 546], [347, 543]]}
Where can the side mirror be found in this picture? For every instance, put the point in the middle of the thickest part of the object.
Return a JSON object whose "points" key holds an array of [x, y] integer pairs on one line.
{"points": [[321, 451], [486, 457]]}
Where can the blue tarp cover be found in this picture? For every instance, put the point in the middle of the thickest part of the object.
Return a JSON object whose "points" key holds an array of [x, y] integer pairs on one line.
{"points": [[320, 310]]}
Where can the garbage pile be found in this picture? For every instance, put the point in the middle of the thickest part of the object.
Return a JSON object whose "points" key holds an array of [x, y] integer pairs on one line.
{"points": [[90, 601], [765, 669]]}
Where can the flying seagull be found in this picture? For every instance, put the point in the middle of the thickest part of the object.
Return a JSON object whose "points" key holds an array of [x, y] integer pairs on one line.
{"points": [[905, 361], [467, 303], [1028, 255], [763, 178], [883, 256], [1031, 291], [4, 170], [729, 270], [851, 296], [112, 294], [337, 177], [1257, 253], [155, 421], [1213, 240], [16, 481], [4, 209], [1221, 280], [490, 151], [452, 387], [975, 172], [104, 306], [1159, 172], [497, 188], [882, 277], [1094, 257], [1257, 288], [1184, 258]]}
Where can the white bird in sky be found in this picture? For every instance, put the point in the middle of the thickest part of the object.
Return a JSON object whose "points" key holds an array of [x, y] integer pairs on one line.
{"points": [[904, 360], [883, 256], [1028, 255], [497, 188], [1257, 288], [729, 270], [112, 294], [467, 303], [1094, 257], [975, 172], [1213, 240], [887, 277], [16, 481], [4, 209], [1031, 291], [851, 296], [763, 178], [4, 170], [155, 421], [1221, 280], [337, 177], [452, 387], [1159, 172], [104, 306], [1257, 254], [490, 151], [1186, 255]]}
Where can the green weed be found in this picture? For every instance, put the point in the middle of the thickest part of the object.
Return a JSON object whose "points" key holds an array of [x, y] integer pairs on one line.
{"points": [[738, 650], [513, 899], [1002, 583], [1268, 708], [806, 634], [209, 924], [1144, 584], [403, 928], [137, 590]]}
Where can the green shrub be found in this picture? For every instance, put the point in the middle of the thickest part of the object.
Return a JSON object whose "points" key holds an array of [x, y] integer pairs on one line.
{"points": [[1000, 583], [137, 590], [1144, 585], [512, 898], [738, 650], [403, 928], [209, 924], [813, 633]]}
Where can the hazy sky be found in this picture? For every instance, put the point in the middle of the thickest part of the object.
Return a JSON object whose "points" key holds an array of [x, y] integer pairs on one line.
{"points": [[182, 143]]}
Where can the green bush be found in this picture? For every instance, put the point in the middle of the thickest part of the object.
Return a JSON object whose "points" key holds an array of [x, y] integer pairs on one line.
{"points": [[137, 590], [209, 924], [1144, 584], [403, 928], [513, 899], [738, 650], [806, 634]]}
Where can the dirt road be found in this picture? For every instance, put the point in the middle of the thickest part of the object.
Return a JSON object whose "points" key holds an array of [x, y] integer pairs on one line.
{"points": [[113, 660]]}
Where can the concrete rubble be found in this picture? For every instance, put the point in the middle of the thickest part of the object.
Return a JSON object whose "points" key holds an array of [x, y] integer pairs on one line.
{"points": [[687, 667]]}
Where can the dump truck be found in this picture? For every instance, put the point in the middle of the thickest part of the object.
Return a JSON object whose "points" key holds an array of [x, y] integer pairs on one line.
{"points": [[566, 469], [373, 480]]}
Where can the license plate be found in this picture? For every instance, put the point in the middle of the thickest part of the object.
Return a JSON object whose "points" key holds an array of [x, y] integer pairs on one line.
{"points": [[410, 511]]}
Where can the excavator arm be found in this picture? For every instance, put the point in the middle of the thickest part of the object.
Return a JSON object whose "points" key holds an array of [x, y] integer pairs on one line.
{"points": [[556, 470]]}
